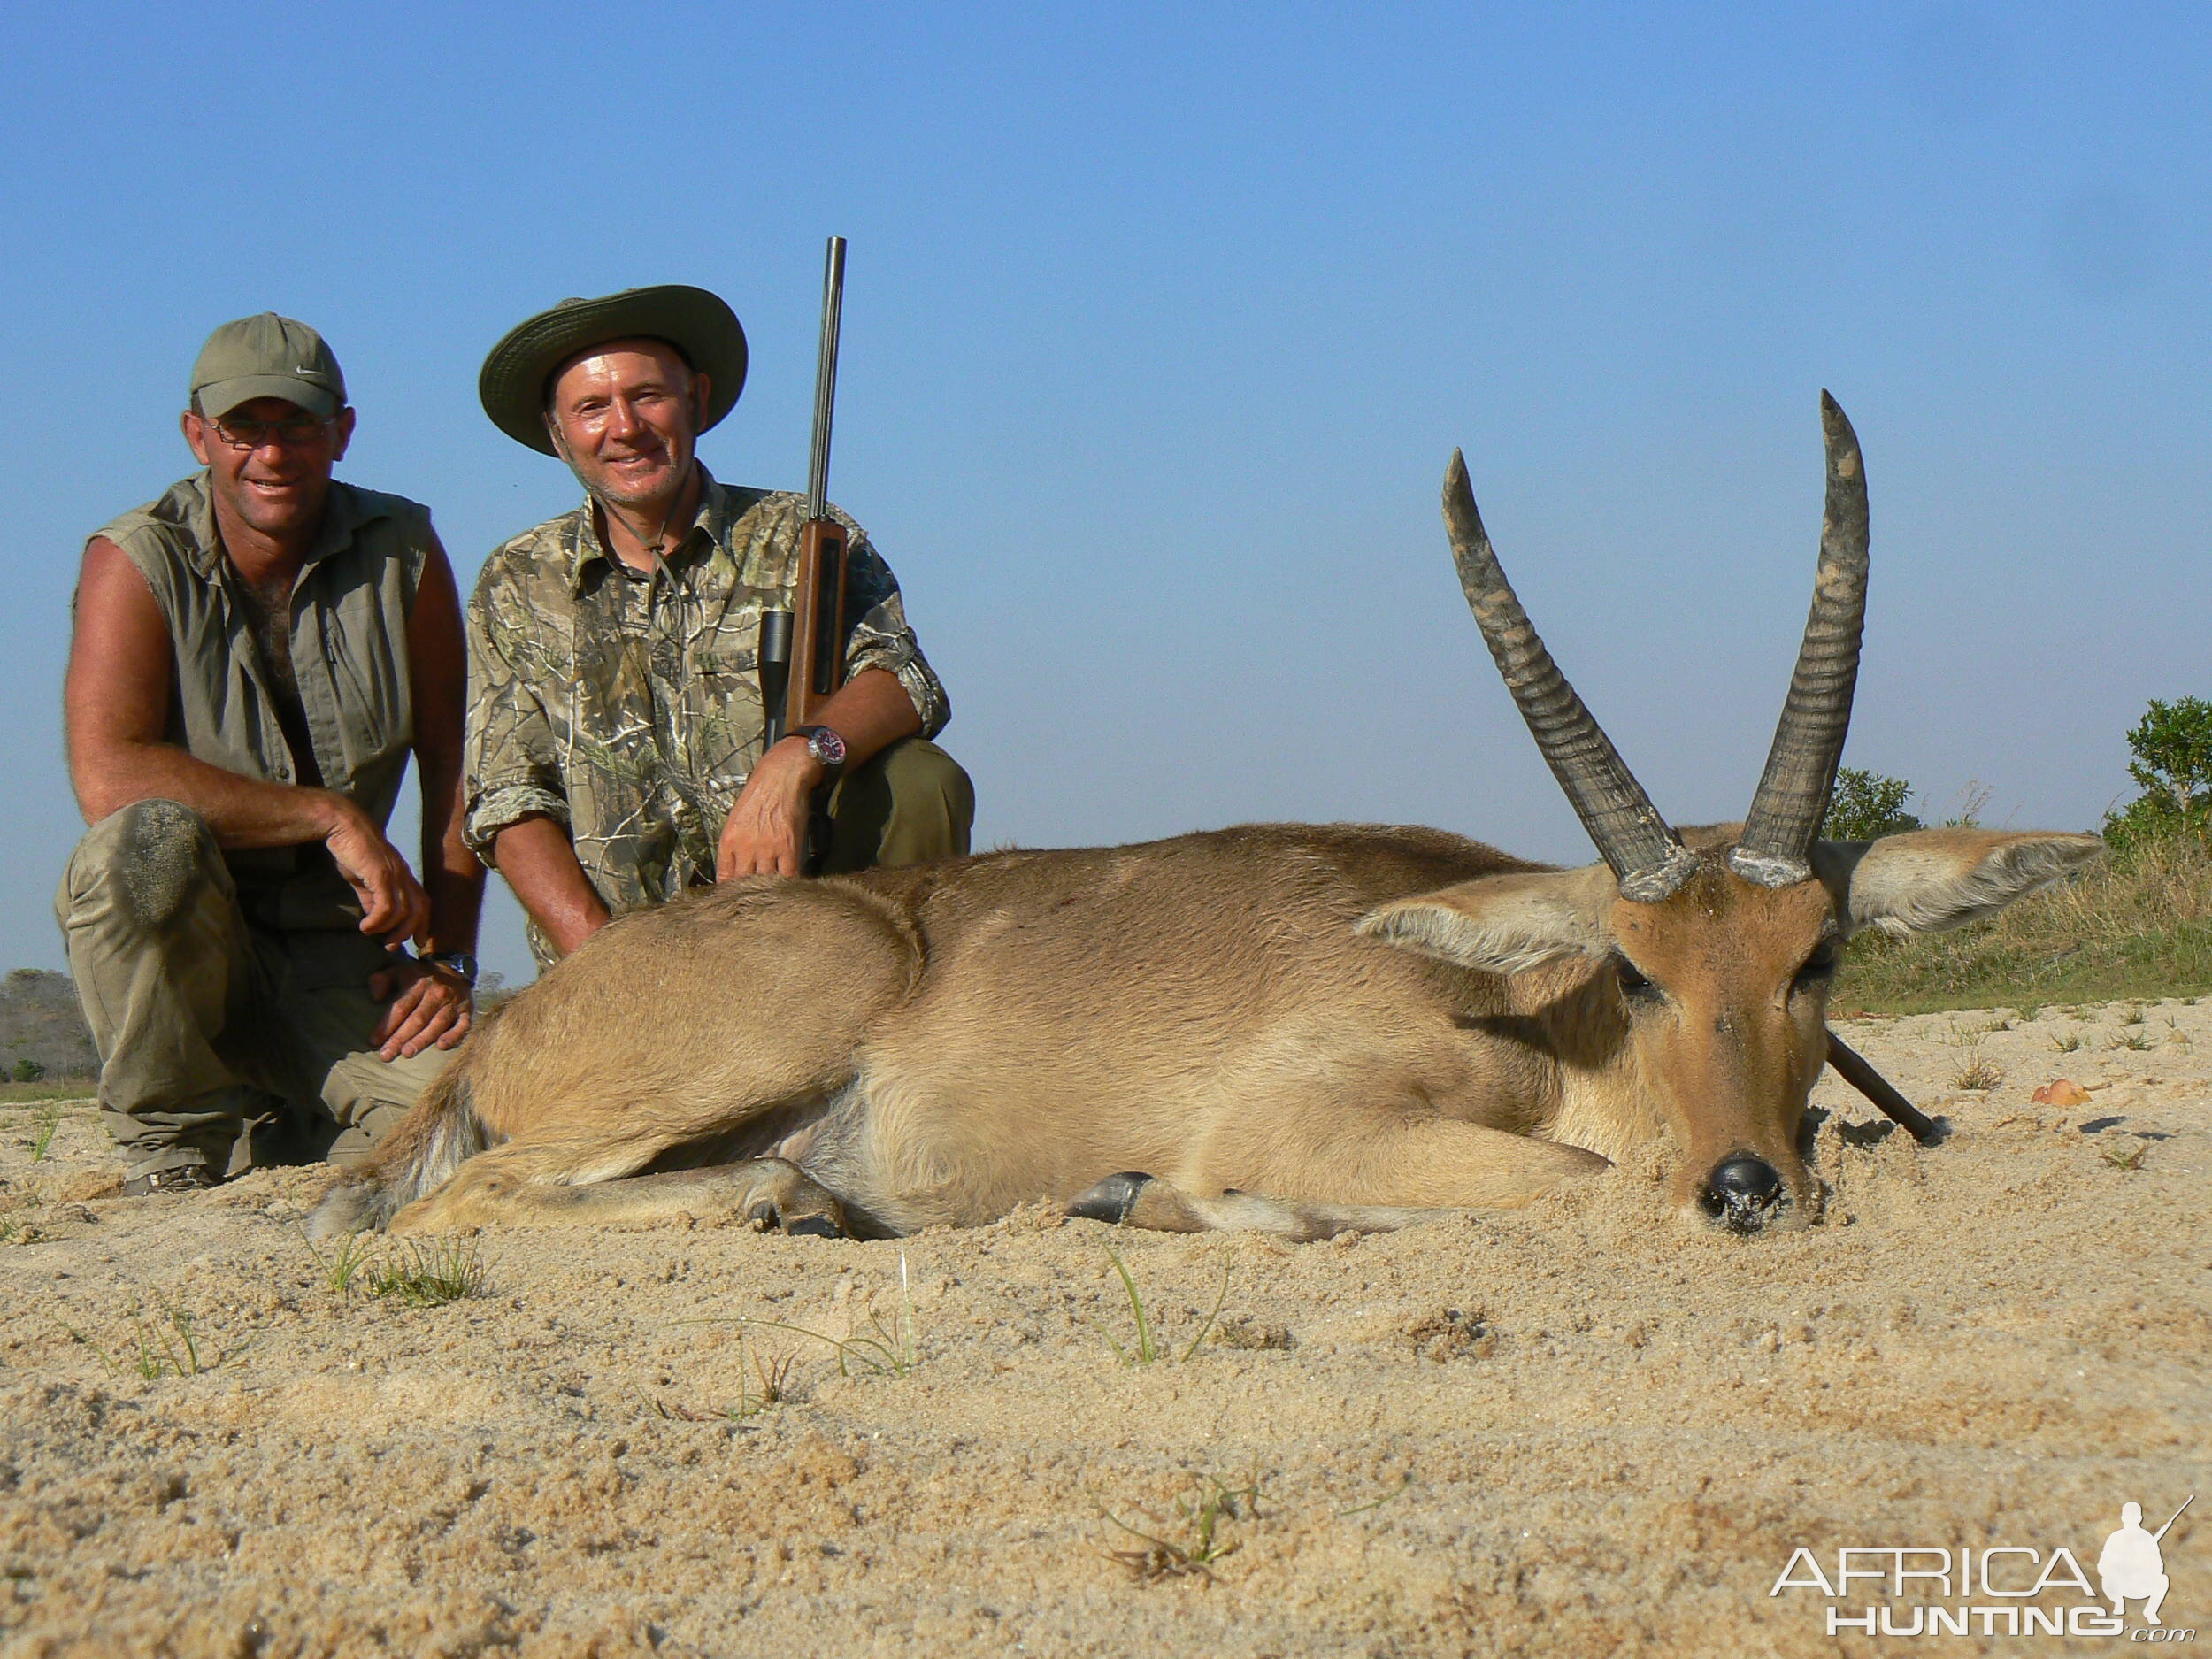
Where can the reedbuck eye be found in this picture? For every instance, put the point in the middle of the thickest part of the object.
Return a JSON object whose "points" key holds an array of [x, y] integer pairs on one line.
{"points": [[1820, 965], [1635, 984]]}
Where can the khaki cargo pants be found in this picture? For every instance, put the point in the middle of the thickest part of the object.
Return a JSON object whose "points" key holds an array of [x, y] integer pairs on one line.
{"points": [[209, 1028]]}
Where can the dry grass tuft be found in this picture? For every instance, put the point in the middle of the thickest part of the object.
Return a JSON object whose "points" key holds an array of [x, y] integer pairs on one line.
{"points": [[1974, 1070], [1188, 1544]]}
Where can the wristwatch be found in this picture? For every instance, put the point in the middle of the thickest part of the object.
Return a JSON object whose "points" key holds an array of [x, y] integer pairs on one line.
{"points": [[827, 746], [457, 962]]}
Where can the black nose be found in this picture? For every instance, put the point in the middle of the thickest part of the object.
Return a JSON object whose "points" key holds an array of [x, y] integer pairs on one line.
{"points": [[1741, 1190]]}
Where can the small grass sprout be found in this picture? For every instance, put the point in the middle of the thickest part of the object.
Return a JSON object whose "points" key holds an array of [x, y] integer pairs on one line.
{"points": [[162, 1347], [2127, 1157], [774, 1373], [48, 1120], [432, 1275], [1188, 1545], [879, 1351], [2138, 1041], [1147, 1347], [344, 1263], [2068, 1043], [1390, 1496]]}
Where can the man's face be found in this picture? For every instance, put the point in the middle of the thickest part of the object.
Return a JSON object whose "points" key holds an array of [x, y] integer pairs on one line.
{"points": [[269, 461], [626, 418]]}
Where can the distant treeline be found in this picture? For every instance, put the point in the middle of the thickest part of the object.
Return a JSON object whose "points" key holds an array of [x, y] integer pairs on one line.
{"points": [[43, 1033]]}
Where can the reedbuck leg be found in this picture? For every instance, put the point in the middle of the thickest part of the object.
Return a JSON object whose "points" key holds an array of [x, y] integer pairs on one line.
{"points": [[585, 1078], [1374, 1177], [518, 1186], [1145, 1201]]}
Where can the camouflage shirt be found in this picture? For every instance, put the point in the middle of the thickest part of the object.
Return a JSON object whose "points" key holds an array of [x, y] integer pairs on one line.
{"points": [[627, 707]]}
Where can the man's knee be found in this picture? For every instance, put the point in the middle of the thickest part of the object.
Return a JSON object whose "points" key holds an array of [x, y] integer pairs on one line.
{"points": [[909, 804], [359, 1138], [917, 772], [152, 857]]}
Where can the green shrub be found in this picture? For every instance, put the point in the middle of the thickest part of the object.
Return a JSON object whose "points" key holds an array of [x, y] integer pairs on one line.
{"points": [[1865, 804], [2172, 746]]}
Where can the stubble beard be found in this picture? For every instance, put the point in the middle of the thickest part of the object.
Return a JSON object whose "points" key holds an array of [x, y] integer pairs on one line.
{"points": [[657, 498]]}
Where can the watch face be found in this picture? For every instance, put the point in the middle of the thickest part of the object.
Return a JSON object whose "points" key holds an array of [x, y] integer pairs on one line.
{"points": [[828, 748]]}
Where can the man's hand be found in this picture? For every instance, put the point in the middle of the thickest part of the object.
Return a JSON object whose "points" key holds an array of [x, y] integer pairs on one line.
{"points": [[765, 833], [392, 902], [430, 1005]]}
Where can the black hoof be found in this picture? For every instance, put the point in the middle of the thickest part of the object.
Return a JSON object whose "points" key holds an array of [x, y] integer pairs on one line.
{"points": [[1112, 1200], [814, 1227]]}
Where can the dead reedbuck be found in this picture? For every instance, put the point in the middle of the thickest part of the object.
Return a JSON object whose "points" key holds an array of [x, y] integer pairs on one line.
{"points": [[1299, 1028]]}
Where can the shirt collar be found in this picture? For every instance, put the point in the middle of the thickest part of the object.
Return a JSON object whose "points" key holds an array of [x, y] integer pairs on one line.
{"points": [[345, 510], [586, 546]]}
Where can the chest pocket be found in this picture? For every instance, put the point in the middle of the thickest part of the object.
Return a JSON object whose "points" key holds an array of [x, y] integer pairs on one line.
{"points": [[726, 664]]}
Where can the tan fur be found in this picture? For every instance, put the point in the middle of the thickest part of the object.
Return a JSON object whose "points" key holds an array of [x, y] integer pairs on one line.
{"points": [[1230, 1012]]}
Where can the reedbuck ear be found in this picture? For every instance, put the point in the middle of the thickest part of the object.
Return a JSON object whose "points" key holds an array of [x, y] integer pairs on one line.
{"points": [[1927, 881], [1504, 923]]}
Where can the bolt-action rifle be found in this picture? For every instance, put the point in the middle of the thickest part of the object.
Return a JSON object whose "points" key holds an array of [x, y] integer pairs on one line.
{"points": [[802, 649]]}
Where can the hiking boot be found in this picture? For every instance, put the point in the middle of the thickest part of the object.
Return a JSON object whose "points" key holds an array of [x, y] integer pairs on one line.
{"points": [[193, 1177]]}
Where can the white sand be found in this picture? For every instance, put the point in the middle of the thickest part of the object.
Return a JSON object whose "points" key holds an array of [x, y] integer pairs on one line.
{"points": [[1584, 1429]]}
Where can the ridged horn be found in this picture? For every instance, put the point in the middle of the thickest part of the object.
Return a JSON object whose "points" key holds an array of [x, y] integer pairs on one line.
{"points": [[1646, 857], [1776, 849]]}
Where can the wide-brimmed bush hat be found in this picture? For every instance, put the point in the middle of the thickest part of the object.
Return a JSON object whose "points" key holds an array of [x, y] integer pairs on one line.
{"points": [[514, 382]]}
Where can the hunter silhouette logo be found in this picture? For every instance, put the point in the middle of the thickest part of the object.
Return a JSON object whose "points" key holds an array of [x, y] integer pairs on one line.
{"points": [[1934, 1591], [2130, 1564]]}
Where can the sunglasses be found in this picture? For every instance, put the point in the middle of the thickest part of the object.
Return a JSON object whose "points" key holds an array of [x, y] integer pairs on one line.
{"points": [[240, 432]]}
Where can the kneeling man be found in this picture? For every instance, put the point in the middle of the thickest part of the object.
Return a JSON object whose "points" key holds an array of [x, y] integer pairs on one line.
{"points": [[616, 721], [256, 655]]}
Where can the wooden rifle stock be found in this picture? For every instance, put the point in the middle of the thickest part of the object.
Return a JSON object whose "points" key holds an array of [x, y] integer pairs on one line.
{"points": [[818, 624]]}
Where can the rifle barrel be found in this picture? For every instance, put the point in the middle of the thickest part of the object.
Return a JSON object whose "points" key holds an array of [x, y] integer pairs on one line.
{"points": [[2171, 1519], [826, 378]]}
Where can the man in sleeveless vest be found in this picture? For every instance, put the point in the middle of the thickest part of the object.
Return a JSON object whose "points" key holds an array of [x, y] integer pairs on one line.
{"points": [[616, 727], [256, 656]]}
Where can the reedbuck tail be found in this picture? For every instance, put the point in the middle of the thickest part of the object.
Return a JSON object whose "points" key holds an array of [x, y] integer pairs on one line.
{"points": [[442, 1134]]}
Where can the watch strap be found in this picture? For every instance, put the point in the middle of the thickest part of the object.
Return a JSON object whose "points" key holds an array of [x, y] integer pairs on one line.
{"points": [[456, 962]]}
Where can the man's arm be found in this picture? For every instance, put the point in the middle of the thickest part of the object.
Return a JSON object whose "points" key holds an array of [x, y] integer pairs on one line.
{"points": [[431, 1003], [517, 812], [765, 833], [537, 859], [889, 693], [116, 710]]}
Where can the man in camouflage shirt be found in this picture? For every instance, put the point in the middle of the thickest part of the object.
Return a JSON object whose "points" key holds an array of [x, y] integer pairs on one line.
{"points": [[616, 718]]}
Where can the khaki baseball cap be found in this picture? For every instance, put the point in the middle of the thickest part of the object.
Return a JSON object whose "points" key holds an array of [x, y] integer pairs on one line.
{"points": [[268, 356]]}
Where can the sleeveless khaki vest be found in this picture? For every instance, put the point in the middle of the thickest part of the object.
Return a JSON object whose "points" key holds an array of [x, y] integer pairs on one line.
{"points": [[349, 636]]}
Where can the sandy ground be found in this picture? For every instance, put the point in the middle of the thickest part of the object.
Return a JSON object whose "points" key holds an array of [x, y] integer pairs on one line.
{"points": [[1584, 1429]]}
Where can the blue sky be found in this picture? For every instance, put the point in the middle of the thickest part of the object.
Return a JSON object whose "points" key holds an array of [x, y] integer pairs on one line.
{"points": [[1161, 324]]}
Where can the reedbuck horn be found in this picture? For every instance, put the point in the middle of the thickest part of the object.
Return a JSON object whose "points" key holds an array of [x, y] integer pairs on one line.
{"points": [[1646, 857], [1775, 849]]}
